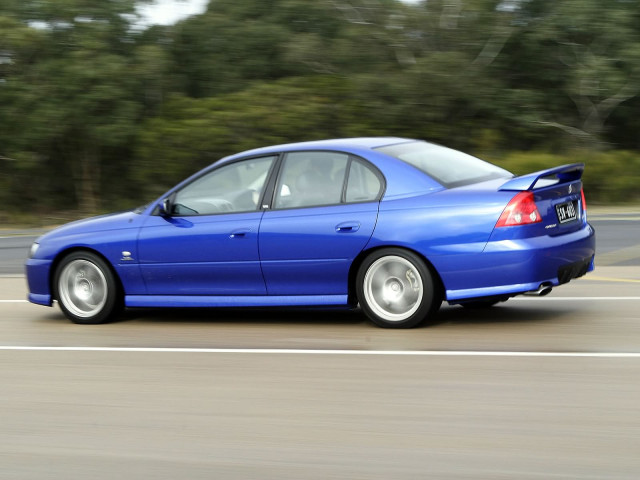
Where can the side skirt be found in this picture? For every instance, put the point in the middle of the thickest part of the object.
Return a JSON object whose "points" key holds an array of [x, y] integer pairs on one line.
{"points": [[232, 301], [452, 296]]}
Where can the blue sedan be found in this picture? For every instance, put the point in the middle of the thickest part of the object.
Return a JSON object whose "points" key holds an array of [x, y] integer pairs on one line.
{"points": [[391, 224]]}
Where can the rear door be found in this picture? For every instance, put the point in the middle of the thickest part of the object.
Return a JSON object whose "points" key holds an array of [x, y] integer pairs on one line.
{"points": [[322, 215]]}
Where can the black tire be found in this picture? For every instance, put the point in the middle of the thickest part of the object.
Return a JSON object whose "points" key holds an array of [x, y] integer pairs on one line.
{"points": [[396, 289], [86, 289]]}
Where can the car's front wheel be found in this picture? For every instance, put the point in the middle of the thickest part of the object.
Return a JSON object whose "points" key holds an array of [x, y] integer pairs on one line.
{"points": [[86, 289], [395, 289]]}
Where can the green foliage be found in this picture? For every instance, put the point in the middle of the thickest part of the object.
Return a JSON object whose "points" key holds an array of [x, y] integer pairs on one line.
{"points": [[192, 133], [95, 114], [609, 177]]}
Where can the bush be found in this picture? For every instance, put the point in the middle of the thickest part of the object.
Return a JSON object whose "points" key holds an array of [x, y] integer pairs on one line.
{"points": [[609, 177]]}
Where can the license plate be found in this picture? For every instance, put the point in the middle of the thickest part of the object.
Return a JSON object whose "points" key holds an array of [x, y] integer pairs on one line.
{"points": [[567, 212]]}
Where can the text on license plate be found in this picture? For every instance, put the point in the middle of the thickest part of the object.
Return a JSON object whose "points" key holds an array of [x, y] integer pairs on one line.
{"points": [[566, 212]]}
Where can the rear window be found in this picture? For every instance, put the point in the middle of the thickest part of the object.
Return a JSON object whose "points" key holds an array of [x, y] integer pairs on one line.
{"points": [[448, 167]]}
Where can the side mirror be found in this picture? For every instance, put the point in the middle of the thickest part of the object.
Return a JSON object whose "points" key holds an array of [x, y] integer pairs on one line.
{"points": [[165, 207]]}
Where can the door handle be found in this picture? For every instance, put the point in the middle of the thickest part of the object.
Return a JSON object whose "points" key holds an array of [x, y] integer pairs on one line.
{"points": [[347, 227], [240, 233]]}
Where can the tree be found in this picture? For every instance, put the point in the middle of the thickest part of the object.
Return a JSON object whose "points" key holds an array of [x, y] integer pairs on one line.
{"points": [[75, 97], [192, 133], [86, 98], [581, 57]]}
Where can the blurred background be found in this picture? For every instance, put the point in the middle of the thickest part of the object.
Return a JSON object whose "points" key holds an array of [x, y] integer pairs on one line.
{"points": [[104, 105]]}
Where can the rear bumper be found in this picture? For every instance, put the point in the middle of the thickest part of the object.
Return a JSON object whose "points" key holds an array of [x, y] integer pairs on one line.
{"points": [[512, 267], [575, 270]]}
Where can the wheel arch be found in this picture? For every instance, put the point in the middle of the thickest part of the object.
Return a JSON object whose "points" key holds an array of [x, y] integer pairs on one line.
{"points": [[357, 263], [63, 253]]}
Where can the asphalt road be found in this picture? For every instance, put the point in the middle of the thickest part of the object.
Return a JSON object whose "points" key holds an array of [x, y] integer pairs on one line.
{"points": [[535, 388]]}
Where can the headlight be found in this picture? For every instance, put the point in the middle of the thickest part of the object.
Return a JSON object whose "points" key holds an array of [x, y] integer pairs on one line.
{"points": [[33, 249]]}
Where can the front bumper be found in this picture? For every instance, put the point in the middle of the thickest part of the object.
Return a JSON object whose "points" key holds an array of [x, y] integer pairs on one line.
{"points": [[37, 271]]}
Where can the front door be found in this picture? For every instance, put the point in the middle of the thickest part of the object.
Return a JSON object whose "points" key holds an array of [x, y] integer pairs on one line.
{"points": [[208, 243]]}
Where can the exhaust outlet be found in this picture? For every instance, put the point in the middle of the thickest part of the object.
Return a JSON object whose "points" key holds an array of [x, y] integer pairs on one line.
{"points": [[543, 289]]}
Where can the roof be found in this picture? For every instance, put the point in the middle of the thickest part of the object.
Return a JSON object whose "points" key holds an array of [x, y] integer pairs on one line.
{"points": [[336, 143]]}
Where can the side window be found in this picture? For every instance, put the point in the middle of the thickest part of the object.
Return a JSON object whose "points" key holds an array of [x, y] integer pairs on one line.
{"points": [[236, 187], [311, 179], [363, 184]]}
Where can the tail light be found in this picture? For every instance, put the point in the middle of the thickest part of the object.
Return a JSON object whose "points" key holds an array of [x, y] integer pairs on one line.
{"points": [[584, 202], [521, 210]]}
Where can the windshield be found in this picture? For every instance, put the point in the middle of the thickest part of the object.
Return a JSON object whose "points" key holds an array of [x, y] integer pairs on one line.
{"points": [[448, 167]]}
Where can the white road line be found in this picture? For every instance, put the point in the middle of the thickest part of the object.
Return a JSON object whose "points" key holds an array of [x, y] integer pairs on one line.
{"points": [[287, 351], [613, 218], [529, 299], [572, 299]]}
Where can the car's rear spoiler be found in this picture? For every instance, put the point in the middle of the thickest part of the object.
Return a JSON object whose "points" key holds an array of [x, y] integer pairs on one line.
{"points": [[564, 173]]}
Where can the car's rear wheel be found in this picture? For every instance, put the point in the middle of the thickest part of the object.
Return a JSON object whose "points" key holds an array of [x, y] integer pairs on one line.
{"points": [[395, 289], [86, 289]]}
